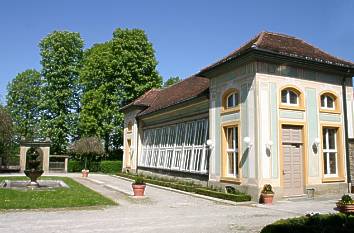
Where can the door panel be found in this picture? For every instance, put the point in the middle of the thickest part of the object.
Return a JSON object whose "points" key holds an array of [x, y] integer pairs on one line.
{"points": [[292, 160]]}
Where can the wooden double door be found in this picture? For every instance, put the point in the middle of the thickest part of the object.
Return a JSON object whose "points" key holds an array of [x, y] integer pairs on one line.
{"points": [[293, 162]]}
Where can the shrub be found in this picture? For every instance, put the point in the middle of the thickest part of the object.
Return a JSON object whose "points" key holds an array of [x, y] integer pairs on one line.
{"points": [[346, 199], [225, 196], [326, 223], [110, 166], [267, 189], [77, 166], [193, 188]]}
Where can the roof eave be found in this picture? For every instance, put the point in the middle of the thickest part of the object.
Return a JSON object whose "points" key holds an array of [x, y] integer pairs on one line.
{"points": [[254, 53], [343, 69]]}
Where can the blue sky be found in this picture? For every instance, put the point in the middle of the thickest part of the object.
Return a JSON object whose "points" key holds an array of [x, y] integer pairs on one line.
{"points": [[187, 35]]}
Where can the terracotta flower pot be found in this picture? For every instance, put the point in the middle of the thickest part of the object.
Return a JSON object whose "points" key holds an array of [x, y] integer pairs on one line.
{"points": [[138, 189], [267, 198], [345, 208], [85, 173]]}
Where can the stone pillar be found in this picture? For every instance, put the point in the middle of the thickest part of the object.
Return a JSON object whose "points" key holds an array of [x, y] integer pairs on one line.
{"points": [[45, 151], [23, 150], [66, 164]]}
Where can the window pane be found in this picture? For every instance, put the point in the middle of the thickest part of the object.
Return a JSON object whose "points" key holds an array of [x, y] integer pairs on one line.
{"points": [[293, 97], [180, 134], [171, 136], [162, 158], [230, 163], [330, 102], [331, 139], [325, 163], [332, 163], [324, 138], [236, 99], [323, 98], [236, 138], [230, 138], [230, 101], [283, 96]]}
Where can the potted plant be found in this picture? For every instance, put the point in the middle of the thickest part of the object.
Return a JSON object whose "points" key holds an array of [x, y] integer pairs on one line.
{"points": [[267, 194], [87, 148], [346, 205], [139, 186]]}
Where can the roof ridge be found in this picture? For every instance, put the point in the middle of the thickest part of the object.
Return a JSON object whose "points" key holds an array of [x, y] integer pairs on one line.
{"points": [[182, 80], [224, 58], [310, 44], [260, 38], [323, 51], [282, 34]]}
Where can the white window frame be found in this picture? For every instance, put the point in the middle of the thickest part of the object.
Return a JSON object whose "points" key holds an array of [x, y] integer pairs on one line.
{"points": [[326, 96], [185, 153], [233, 150], [326, 151], [288, 97]]}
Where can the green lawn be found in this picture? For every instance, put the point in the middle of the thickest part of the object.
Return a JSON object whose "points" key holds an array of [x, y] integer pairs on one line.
{"points": [[75, 196]]}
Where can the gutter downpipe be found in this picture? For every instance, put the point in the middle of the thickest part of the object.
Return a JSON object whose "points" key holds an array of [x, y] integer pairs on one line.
{"points": [[344, 93]]}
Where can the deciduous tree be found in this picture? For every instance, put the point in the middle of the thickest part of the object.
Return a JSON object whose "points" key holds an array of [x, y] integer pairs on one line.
{"points": [[23, 102], [5, 133], [134, 63], [113, 74], [171, 81], [61, 53]]}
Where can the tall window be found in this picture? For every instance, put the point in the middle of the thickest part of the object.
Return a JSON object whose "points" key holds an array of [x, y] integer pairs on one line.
{"points": [[330, 153], [289, 97], [232, 151]]}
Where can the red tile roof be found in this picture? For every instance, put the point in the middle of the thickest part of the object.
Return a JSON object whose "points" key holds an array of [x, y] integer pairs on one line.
{"points": [[157, 99], [284, 45], [145, 100]]}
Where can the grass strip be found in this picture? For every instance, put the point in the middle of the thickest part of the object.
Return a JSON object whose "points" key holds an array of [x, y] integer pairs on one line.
{"points": [[76, 196]]}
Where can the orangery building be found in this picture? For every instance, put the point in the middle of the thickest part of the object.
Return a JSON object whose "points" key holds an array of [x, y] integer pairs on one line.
{"points": [[275, 111]]}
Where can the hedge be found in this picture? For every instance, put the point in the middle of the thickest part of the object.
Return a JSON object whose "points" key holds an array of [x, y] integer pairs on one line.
{"points": [[188, 187], [103, 166], [318, 223], [110, 166]]}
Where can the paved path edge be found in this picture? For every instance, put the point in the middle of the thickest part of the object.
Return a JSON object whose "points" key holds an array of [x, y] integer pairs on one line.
{"points": [[245, 203]]}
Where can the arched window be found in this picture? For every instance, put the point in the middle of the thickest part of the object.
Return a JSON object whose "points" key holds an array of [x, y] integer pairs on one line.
{"points": [[329, 102], [231, 100], [291, 98]]}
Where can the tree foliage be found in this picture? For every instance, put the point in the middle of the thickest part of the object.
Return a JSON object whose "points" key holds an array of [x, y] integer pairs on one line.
{"points": [[113, 74], [171, 81], [5, 132], [134, 63], [100, 114], [88, 146], [61, 53], [23, 103]]}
